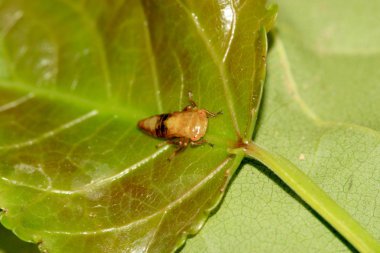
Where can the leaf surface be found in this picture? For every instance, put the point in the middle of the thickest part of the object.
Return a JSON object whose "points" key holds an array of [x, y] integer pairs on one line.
{"points": [[76, 175], [320, 111]]}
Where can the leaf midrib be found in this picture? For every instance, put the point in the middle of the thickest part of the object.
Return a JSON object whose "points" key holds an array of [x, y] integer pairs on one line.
{"points": [[129, 115], [75, 101]]}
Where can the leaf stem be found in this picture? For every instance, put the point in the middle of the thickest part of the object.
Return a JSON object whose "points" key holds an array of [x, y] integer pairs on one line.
{"points": [[315, 197]]}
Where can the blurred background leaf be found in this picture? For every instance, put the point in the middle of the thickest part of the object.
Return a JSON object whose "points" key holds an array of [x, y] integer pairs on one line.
{"points": [[320, 111]]}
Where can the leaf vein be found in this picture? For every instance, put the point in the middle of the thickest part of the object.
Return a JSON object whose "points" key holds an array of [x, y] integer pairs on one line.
{"points": [[16, 102], [291, 85], [93, 184], [153, 64], [168, 207], [50, 133], [98, 42], [232, 31], [225, 80]]}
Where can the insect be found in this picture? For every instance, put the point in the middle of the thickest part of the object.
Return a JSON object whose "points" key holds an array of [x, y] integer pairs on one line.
{"points": [[179, 128]]}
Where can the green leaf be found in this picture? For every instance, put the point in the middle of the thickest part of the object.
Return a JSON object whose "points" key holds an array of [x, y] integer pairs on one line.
{"points": [[320, 111], [76, 175], [9, 243]]}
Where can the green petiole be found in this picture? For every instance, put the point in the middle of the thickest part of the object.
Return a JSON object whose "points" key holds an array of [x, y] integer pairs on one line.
{"points": [[314, 196]]}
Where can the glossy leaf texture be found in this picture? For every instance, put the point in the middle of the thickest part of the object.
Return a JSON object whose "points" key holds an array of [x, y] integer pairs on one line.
{"points": [[320, 111], [76, 175]]}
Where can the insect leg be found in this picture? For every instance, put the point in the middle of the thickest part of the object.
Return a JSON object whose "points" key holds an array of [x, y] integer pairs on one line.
{"points": [[182, 144], [168, 142], [200, 142], [179, 149], [213, 114]]}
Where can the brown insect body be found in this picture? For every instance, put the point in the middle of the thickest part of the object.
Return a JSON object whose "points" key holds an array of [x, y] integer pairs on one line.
{"points": [[180, 128], [190, 124]]}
